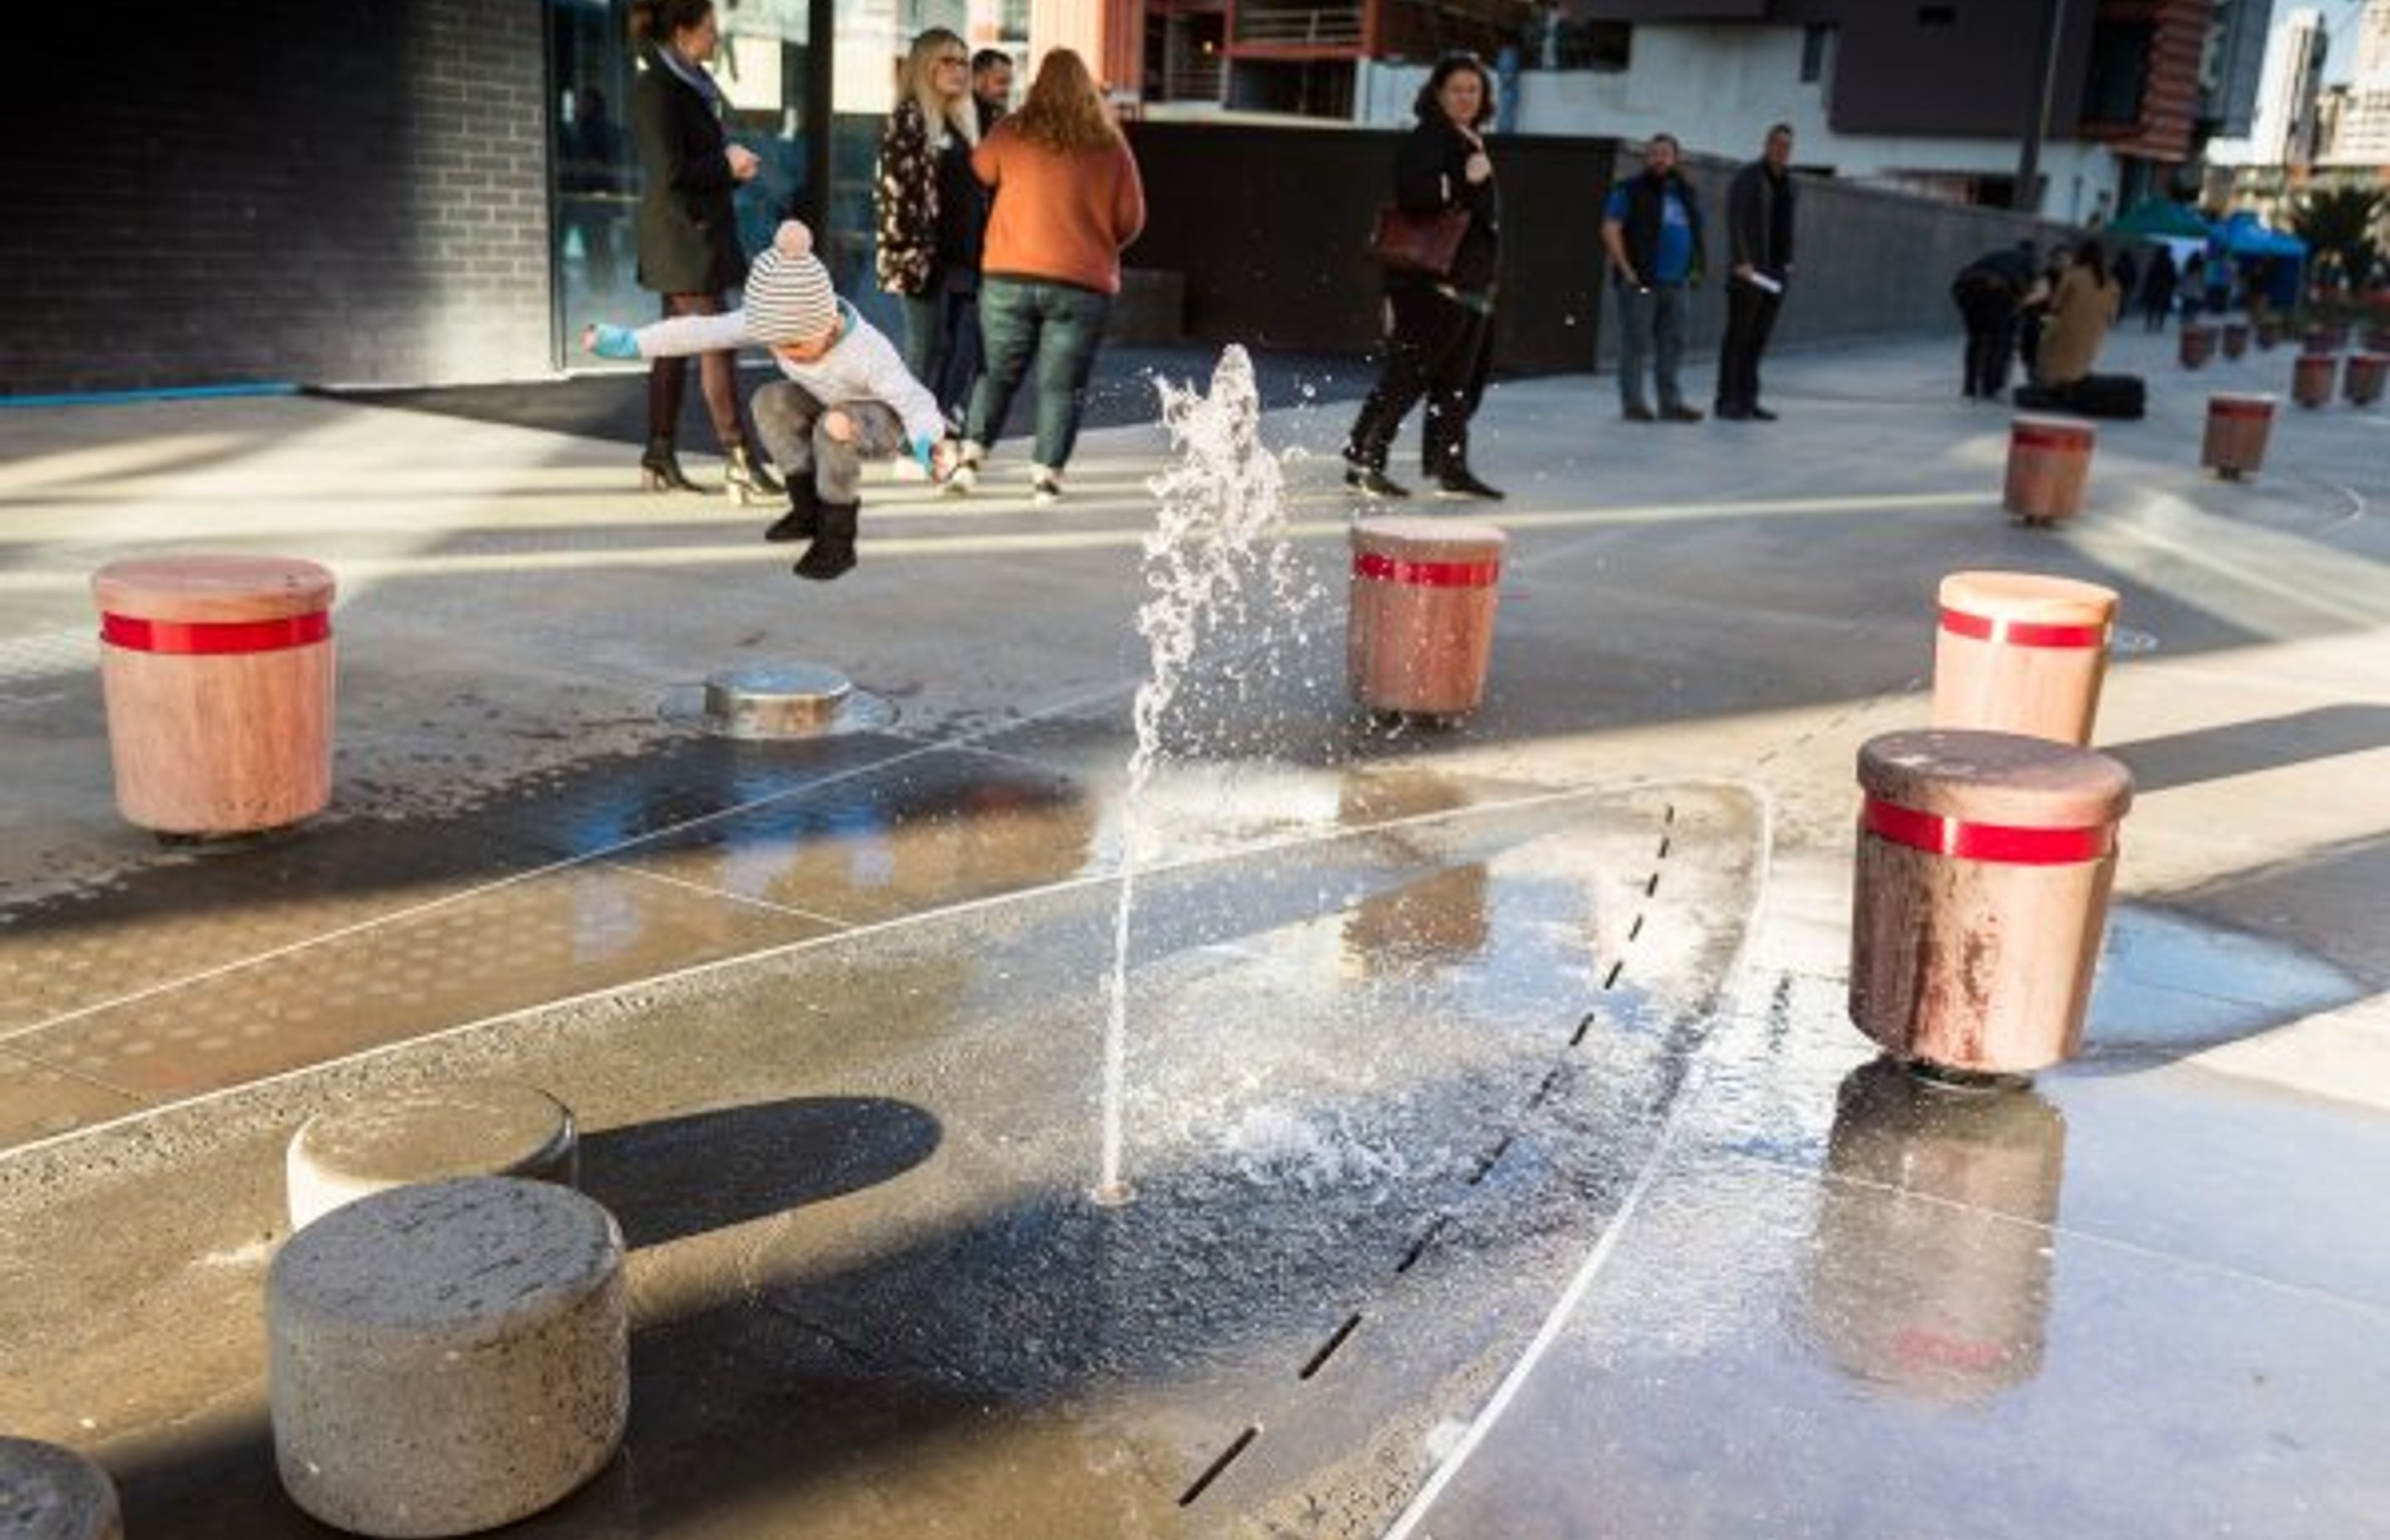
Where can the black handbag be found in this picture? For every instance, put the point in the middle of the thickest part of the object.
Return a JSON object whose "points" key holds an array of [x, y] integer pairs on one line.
{"points": [[1426, 243]]}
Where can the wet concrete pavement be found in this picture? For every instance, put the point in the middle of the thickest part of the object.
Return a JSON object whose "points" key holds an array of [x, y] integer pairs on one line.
{"points": [[1505, 1163]]}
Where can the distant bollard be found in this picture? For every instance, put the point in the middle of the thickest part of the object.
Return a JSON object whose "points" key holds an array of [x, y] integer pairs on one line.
{"points": [[2325, 338], [2311, 379], [2049, 459], [1421, 629], [2361, 380], [431, 1134], [2238, 426], [1980, 896], [218, 675], [2195, 344], [2018, 652], [48, 1492], [2236, 339], [2270, 334]]}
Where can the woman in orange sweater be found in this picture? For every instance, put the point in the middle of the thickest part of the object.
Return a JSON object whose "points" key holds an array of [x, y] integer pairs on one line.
{"points": [[1067, 201]]}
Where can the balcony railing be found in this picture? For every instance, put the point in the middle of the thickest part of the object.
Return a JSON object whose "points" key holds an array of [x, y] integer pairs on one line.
{"points": [[1299, 26]]}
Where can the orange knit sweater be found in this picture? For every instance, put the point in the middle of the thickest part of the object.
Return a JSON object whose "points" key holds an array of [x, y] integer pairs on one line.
{"points": [[1058, 215]]}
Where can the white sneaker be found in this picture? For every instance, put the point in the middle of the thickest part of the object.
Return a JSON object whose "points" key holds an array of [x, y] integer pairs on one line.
{"points": [[1044, 487], [906, 469], [964, 478]]}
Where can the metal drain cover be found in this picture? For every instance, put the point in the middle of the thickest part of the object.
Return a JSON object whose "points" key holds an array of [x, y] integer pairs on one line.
{"points": [[768, 701]]}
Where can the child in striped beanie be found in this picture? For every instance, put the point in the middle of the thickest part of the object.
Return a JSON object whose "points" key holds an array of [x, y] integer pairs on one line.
{"points": [[846, 397]]}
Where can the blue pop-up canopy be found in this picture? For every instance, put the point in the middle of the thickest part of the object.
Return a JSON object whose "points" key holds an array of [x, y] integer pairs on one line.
{"points": [[2242, 237]]}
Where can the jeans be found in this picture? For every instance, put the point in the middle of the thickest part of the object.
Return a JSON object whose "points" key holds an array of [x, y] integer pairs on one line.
{"points": [[1650, 326], [789, 420], [1441, 350], [941, 344], [1055, 325]]}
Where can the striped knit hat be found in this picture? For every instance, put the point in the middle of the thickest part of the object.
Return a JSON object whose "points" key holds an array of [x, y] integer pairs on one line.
{"points": [[788, 296]]}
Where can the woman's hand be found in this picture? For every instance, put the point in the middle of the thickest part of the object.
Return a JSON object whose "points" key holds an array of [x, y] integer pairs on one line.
{"points": [[744, 162], [1479, 167]]}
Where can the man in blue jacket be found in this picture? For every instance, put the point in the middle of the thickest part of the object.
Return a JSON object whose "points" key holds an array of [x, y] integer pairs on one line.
{"points": [[1652, 227]]}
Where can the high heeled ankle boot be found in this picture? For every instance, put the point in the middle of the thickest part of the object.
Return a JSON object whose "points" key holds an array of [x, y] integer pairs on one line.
{"points": [[832, 552], [745, 479], [660, 469]]}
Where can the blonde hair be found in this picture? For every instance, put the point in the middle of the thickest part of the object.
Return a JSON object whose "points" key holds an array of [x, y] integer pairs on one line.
{"points": [[1065, 110], [919, 81]]}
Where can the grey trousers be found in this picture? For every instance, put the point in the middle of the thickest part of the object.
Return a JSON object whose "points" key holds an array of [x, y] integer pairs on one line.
{"points": [[789, 420], [1651, 329]]}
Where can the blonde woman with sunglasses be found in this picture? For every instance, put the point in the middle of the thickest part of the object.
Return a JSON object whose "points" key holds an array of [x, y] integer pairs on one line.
{"points": [[933, 216]]}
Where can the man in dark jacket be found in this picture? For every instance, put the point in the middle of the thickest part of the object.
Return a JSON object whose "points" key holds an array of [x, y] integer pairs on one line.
{"points": [[1652, 227], [1987, 292], [1759, 234]]}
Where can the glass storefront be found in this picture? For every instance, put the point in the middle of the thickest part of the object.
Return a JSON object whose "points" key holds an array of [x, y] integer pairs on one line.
{"points": [[764, 67]]}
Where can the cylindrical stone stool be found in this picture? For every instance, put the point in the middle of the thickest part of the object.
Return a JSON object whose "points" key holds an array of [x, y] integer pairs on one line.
{"points": [[1421, 628], [449, 1358], [2238, 426], [2195, 344], [2269, 333], [2050, 459], [2325, 338], [2377, 339], [475, 1128], [48, 1492], [2361, 380], [2018, 652], [1981, 893], [2236, 339], [2312, 377], [218, 675], [1930, 1268]]}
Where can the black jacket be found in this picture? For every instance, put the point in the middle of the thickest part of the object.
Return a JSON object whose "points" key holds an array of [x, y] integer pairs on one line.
{"points": [[1431, 173], [1759, 229], [688, 235], [1640, 229]]}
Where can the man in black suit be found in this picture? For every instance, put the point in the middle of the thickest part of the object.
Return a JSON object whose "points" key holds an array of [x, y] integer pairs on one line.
{"points": [[1759, 236]]}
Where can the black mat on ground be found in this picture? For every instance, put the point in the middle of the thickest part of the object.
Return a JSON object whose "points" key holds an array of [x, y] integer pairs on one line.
{"points": [[614, 405]]}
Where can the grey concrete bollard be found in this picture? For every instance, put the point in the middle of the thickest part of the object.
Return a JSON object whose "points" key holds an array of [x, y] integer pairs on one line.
{"points": [[48, 1492], [472, 1128], [448, 1357], [1980, 896]]}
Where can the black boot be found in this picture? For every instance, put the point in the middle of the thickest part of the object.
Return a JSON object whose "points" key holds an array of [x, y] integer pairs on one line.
{"points": [[802, 520], [744, 478], [832, 552], [660, 469]]}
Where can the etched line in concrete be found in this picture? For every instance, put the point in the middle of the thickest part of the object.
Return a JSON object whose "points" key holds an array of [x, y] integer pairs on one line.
{"points": [[1213, 1472], [1609, 981], [1419, 1247], [1552, 1080], [1651, 885], [1328, 1349], [1636, 928], [1491, 1159], [748, 900], [1576, 1038]]}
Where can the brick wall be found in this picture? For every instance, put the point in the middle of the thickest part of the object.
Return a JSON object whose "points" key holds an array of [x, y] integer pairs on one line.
{"points": [[324, 191]]}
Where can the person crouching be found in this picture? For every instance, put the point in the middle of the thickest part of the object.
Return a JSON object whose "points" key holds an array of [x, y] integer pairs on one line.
{"points": [[847, 397]]}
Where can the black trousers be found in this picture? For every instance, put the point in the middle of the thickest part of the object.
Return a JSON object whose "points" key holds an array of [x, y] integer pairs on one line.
{"points": [[1439, 350], [1990, 311], [1750, 317]]}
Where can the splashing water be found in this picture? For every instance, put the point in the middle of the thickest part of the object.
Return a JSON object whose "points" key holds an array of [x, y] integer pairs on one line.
{"points": [[1216, 558]]}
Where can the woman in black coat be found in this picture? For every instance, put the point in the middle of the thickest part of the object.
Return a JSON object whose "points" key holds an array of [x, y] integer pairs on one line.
{"points": [[1439, 341], [689, 235]]}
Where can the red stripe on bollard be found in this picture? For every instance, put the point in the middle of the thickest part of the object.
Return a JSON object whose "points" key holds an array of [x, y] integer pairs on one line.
{"points": [[2241, 408], [2051, 438], [2001, 844], [1982, 628], [193, 637], [1427, 575]]}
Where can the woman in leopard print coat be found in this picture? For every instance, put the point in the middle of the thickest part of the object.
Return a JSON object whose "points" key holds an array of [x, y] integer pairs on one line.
{"points": [[933, 216]]}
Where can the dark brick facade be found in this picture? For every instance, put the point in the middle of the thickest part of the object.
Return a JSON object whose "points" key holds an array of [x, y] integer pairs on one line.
{"points": [[321, 191]]}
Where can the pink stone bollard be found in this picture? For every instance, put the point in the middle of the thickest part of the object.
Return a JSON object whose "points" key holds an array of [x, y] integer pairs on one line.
{"points": [[2361, 381], [1980, 896], [2049, 459], [2018, 652], [2194, 344], [2311, 379], [2238, 426], [1421, 627], [2236, 339]]}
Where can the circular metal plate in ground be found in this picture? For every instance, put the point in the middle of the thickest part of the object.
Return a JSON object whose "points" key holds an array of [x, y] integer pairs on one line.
{"points": [[778, 700], [2124, 642]]}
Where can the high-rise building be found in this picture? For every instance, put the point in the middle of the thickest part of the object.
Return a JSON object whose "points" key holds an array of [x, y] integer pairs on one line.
{"points": [[2362, 138], [2285, 130]]}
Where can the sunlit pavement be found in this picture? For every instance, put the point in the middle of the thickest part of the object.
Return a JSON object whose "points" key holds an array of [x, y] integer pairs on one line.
{"points": [[1504, 1162]]}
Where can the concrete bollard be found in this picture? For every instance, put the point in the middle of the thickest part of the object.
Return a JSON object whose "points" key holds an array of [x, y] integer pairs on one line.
{"points": [[2238, 426], [2018, 652], [1980, 896], [448, 1357], [218, 675], [1421, 628], [2270, 334], [2377, 339], [1931, 1269], [48, 1492], [2236, 339], [2311, 379], [2049, 459], [2195, 344], [2361, 380], [475, 1128]]}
